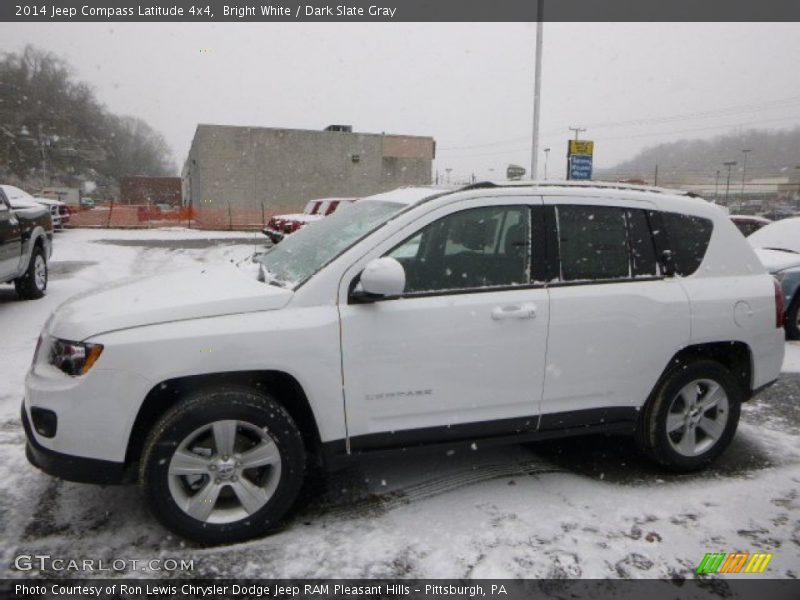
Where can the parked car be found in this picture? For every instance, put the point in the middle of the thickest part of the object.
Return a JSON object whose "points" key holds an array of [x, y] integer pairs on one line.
{"points": [[59, 211], [498, 313], [748, 224], [26, 242], [280, 226], [778, 247]]}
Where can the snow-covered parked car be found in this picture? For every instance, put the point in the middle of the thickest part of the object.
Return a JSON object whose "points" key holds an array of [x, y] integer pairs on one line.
{"points": [[749, 224], [26, 242], [778, 247], [280, 226], [498, 313], [59, 211]]}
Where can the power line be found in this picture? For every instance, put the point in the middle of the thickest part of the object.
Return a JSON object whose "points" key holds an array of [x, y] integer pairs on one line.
{"points": [[722, 112], [641, 135]]}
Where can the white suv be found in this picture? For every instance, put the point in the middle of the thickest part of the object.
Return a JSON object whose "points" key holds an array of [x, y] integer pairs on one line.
{"points": [[499, 312]]}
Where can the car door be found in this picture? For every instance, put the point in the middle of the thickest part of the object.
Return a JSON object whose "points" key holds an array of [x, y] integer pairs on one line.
{"points": [[615, 321], [10, 240], [461, 353]]}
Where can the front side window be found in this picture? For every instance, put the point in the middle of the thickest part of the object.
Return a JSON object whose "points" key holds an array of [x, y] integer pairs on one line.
{"points": [[593, 242], [471, 249]]}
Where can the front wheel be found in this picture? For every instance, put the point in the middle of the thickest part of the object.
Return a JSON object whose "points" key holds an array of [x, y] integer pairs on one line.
{"points": [[33, 282], [692, 416], [223, 466]]}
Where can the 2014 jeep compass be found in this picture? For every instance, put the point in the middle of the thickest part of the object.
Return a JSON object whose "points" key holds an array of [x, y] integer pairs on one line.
{"points": [[508, 312]]}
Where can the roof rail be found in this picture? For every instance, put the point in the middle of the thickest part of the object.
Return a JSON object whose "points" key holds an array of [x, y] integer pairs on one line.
{"points": [[606, 185]]}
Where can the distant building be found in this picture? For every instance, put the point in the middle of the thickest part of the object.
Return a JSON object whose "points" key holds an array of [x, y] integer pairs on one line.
{"points": [[253, 166], [150, 190], [69, 195]]}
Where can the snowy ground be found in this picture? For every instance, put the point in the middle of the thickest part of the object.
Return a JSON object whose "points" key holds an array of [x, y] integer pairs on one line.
{"points": [[576, 508]]}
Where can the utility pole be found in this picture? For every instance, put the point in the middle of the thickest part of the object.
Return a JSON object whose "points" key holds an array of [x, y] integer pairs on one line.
{"points": [[537, 90], [745, 151], [546, 155], [716, 186], [44, 156], [729, 164], [655, 177], [577, 130]]}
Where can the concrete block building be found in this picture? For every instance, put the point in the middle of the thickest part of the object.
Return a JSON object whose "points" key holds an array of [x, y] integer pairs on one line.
{"points": [[251, 167]]}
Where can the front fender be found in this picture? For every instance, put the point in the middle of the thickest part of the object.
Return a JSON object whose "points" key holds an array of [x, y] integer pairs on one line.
{"points": [[300, 342], [30, 237]]}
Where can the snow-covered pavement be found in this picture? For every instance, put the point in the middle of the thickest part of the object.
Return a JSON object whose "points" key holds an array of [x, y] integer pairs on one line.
{"points": [[573, 508]]}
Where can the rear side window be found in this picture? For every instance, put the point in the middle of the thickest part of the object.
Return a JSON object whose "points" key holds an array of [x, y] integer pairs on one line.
{"points": [[688, 239], [593, 242]]}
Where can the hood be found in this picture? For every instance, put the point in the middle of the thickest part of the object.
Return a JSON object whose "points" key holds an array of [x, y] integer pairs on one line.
{"points": [[176, 296], [777, 260]]}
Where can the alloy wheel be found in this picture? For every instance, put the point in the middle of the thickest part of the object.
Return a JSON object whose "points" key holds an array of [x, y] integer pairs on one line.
{"points": [[224, 471], [697, 417]]}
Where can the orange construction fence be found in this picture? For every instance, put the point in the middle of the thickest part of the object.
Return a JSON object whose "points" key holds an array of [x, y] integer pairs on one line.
{"points": [[141, 216]]}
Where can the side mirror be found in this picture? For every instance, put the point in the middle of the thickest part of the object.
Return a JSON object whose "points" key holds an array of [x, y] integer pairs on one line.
{"points": [[667, 263], [381, 278]]}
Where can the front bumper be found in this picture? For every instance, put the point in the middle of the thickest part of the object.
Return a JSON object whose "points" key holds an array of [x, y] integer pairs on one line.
{"points": [[65, 466]]}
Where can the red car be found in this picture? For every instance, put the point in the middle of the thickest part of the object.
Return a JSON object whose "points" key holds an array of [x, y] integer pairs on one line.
{"points": [[280, 226], [748, 224]]}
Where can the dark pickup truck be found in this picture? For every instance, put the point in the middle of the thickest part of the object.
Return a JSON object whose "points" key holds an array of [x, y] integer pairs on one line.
{"points": [[26, 241]]}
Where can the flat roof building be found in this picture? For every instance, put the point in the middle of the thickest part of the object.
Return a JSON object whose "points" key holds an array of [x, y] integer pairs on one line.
{"points": [[255, 167]]}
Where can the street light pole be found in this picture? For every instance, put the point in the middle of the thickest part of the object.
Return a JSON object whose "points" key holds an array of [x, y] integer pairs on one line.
{"points": [[729, 164], [716, 187], [745, 151], [537, 90]]}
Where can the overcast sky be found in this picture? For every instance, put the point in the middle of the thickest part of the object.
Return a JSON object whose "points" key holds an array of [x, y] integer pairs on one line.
{"points": [[470, 86]]}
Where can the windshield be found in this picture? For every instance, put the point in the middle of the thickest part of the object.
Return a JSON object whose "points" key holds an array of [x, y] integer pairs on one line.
{"points": [[302, 254]]}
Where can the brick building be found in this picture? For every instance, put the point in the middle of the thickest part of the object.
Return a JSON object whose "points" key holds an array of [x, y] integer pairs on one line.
{"points": [[255, 167], [150, 190]]}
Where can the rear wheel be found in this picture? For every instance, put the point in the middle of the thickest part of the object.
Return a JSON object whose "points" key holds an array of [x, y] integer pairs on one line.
{"points": [[692, 416], [33, 283], [223, 466]]}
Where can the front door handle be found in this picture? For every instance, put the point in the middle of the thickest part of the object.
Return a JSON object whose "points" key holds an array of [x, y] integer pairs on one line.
{"points": [[514, 311]]}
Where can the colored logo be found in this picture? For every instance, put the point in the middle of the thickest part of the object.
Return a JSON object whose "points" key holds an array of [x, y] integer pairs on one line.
{"points": [[734, 562]]}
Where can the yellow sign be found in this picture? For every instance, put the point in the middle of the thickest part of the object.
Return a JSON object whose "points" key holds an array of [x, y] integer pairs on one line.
{"points": [[582, 147]]}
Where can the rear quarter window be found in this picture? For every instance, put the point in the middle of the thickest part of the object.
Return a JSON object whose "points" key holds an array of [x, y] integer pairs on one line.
{"points": [[689, 237]]}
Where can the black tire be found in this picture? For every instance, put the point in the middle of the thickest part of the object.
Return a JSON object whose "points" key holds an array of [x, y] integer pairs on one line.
{"points": [[29, 286], [652, 435], [199, 410], [792, 326]]}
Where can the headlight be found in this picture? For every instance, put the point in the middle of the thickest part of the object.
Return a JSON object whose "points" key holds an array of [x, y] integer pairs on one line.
{"points": [[73, 358]]}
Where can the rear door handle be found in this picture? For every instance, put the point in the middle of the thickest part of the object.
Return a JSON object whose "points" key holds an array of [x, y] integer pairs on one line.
{"points": [[514, 311]]}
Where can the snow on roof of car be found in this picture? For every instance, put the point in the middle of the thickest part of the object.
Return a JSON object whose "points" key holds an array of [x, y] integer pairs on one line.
{"points": [[13, 192], [666, 198], [409, 195], [780, 234]]}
